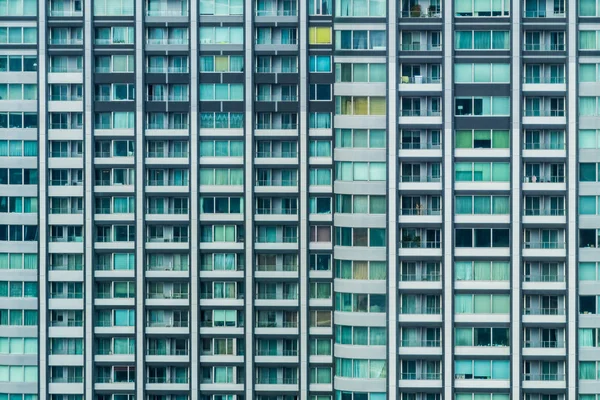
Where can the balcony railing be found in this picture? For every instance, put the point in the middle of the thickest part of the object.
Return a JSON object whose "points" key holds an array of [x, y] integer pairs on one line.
{"points": [[275, 324], [152, 125], [420, 113], [544, 79], [283, 97], [543, 311], [546, 344], [543, 377], [167, 211], [65, 41], [277, 13], [276, 70], [544, 245], [538, 212], [421, 211], [412, 376], [420, 146], [422, 310], [417, 244], [167, 13], [420, 178], [544, 47], [544, 278], [542, 14], [543, 113], [418, 79], [274, 211], [273, 267], [544, 146], [421, 343], [276, 126], [166, 41], [551, 179], [276, 154], [65, 13], [282, 353], [279, 381], [429, 277], [420, 47]]}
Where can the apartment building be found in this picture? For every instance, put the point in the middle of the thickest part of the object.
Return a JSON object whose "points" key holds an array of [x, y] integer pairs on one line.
{"points": [[299, 200]]}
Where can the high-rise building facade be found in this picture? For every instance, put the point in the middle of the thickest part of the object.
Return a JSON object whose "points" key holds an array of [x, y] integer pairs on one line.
{"points": [[299, 200]]}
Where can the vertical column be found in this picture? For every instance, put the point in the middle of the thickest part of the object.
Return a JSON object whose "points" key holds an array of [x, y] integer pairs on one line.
{"points": [[392, 193], [88, 209], [572, 245], [194, 218], [516, 308], [447, 190], [248, 196], [139, 199], [42, 205], [303, 187]]}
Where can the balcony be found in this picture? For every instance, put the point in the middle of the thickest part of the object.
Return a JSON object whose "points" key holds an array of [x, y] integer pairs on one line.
{"points": [[420, 347], [420, 380], [544, 381], [420, 183], [544, 348], [540, 83], [544, 315], [420, 9], [539, 116], [416, 117]]}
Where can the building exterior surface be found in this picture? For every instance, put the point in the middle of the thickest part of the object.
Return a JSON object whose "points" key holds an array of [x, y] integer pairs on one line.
{"points": [[299, 200]]}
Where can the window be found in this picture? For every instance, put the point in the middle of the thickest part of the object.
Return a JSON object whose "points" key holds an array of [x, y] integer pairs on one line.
{"points": [[359, 237], [482, 369], [360, 138], [14, 317], [482, 237], [482, 337], [482, 8], [221, 92], [221, 176], [228, 7], [488, 105], [18, 373], [19, 8], [221, 148], [17, 34], [360, 72], [221, 205], [481, 270], [319, 177], [319, 92], [221, 35], [589, 139], [360, 40], [361, 369], [18, 63], [357, 105], [589, 72], [319, 7], [360, 204], [320, 234], [319, 120], [486, 205], [482, 304], [320, 63], [114, 35], [482, 40], [359, 8], [482, 139], [319, 35], [589, 106], [221, 120], [360, 171], [482, 73], [221, 64], [360, 270], [319, 319], [482, 172], [588, 172], [589, 40], [589, 8], [320, 262], [113, 7]]}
